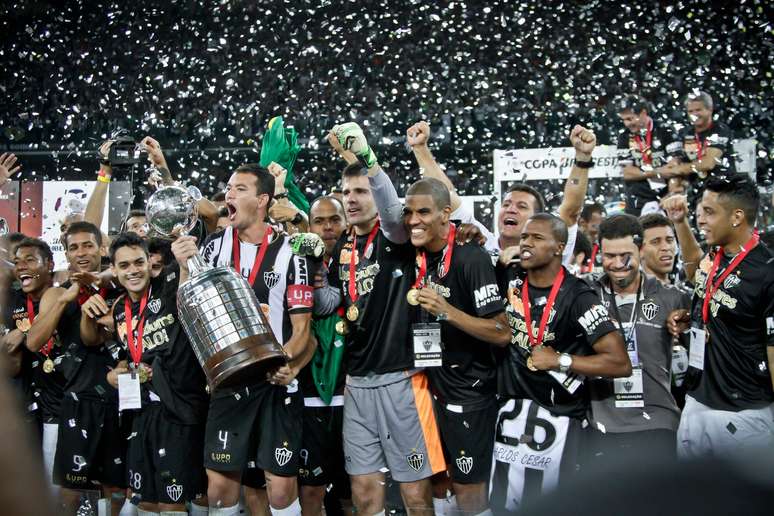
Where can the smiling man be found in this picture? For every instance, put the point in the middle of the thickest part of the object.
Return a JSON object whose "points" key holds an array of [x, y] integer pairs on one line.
{"points": [[642, 305], [456, 292]]}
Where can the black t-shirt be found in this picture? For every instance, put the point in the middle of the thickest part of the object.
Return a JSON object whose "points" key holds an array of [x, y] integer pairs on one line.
{"points": [[468, 374], [178, 379], [380, 340], [638, 193], [685, 147], [43, 390], [579, 320], [741, 328], [86, 367]]}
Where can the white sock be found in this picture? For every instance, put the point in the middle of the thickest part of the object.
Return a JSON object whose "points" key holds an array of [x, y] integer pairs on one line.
{"points": [[224, 511], [129, 509], [294, 509], [487, 512], [451, 505], [173, 513], [198, 510], [380, 513], [439, 506], [143, 512]]}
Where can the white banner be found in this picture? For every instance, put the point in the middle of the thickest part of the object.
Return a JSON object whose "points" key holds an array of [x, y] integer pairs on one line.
{"points": [[60, 199]]}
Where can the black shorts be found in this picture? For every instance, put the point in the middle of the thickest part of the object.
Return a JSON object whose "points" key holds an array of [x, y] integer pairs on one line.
{"points": [[260, 424], [468, 441], [321, 460], [163, 462], [91, 446]]}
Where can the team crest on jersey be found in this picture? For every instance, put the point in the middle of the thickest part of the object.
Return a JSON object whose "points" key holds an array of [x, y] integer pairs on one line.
{"points": [[271, 279], [174, 492], [416, 460], [731, 281], [282, 455], [464, 464], [154, 305], [649, 310]]}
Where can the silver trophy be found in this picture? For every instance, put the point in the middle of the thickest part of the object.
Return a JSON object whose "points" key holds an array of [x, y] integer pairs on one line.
{"points": [[228, 330]]}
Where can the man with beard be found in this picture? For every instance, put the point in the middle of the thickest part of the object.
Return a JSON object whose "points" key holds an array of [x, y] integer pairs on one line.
{"points": [[732, 329], [456, 285], [703, 148], [258, 427], [642, 305], [322, 380], [90, 446], [641, 154], [159, 377], [41, 365], [561, 334], [388, 417]]}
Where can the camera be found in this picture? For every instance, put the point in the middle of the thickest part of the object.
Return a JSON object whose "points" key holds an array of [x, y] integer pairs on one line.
{"points": [[125, 152]]}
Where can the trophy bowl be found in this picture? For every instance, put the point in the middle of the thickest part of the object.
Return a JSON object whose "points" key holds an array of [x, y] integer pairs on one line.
{"points": [[216, 306]]}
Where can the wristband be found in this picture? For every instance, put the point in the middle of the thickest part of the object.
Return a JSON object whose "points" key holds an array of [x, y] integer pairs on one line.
{"points": [[103, 176], [297, 219], [584, 164], [283, 195]]}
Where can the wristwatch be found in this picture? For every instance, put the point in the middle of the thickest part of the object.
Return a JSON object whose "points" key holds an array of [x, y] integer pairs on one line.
{"points": [[565, 362]]}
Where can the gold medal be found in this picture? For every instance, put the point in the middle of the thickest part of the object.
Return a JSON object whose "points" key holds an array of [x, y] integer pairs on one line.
{"points": [[412, 298], [341, 328], [48, 366], [142, 372], [352, 313], [530, 365]]}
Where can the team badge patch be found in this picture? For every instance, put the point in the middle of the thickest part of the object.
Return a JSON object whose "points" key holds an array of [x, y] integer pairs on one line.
{"points": [[174, 492], [282, 455], [271, 279], [155, 305], [464, 464], [416, 460], [731, 281], [649, 310]]}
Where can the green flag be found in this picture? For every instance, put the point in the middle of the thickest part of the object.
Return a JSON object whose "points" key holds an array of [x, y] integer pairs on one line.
{"points": [[328, 356], [280, 145]]}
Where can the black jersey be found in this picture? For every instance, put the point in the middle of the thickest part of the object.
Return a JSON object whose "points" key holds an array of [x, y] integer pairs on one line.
{"points": [[284, 283], [43, 390], [634, 152], [741, 327], [690, 145], [379, 341], [86, 367], [577, 321], [178, 379], [468, 374]]}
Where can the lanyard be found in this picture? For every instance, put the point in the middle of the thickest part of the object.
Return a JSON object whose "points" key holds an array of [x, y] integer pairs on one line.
{"points": [[710, 287], [258, 256], [633, 315], [590, 264], [647, 157], [46, 349], [701, 144], [135, 347], [546, 311], [352, 287], [447, 257]]}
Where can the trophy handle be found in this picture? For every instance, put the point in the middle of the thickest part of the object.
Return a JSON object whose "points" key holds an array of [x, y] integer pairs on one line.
{"points": [[196, 265]]}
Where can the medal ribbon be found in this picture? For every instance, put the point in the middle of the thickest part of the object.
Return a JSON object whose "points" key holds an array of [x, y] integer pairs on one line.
{"points": [[352, 287], [447, 257], [701, 144], [594, 251], [646, 157], [546, 311], [135, 348], [710, 287], [258, 256], [46, 349]]}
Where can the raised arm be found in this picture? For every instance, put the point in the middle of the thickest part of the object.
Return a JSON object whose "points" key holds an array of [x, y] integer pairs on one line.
{"points": [[95, 207], [676, 207], [417, 137], [576, 186], [388, 204], [7, 168]]}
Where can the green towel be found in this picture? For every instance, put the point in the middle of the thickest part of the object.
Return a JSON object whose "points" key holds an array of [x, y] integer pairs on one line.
{"points": [[326, 362], [280, 145]]}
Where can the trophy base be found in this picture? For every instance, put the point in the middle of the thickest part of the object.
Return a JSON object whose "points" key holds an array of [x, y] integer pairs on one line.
{"points": [[244, 363]]}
